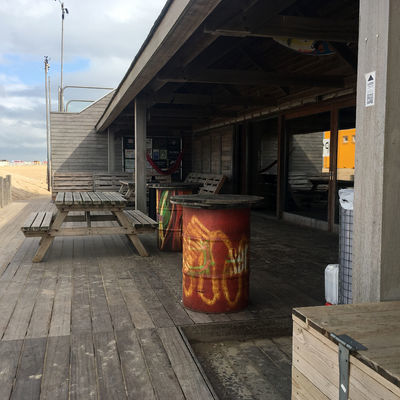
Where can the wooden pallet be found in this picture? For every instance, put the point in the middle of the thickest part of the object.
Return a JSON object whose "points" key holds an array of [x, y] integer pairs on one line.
{"points": [[210, 183]]}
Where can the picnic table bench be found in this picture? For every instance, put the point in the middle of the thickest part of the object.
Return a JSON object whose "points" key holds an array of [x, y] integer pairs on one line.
{"points": [[94, 207]]}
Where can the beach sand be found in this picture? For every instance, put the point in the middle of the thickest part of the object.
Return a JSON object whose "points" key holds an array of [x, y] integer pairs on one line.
{"points": [[27, 181]]}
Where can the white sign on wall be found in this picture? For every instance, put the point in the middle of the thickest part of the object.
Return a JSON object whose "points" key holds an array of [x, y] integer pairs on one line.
{"points": [[325, 149], [370, 80]]}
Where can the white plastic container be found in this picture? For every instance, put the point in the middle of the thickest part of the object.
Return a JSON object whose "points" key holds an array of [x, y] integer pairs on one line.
{"points": [[332, 283]]}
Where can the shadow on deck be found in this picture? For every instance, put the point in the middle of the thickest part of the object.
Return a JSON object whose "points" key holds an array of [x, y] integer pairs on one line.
{"points": [[95, 320]]}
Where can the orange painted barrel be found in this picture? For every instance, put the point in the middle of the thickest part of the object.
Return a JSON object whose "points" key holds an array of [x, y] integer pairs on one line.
{"points": [[169, 216], [216, 259]]}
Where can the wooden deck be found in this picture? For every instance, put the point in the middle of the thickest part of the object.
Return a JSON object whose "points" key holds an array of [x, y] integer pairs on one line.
{"points": [[96, 320]]}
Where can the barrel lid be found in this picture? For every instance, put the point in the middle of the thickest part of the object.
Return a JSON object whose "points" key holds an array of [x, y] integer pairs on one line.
{"points": [[173, 185], [215, 200]]}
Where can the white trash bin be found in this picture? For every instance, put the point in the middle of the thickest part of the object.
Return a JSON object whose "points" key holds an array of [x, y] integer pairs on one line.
{"points": [[332, 283]]}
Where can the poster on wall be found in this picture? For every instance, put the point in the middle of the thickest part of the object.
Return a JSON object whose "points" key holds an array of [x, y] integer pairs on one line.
{"points": [[129, 153], [149, 145], [163, 154], [129, 164], [129, 142]]}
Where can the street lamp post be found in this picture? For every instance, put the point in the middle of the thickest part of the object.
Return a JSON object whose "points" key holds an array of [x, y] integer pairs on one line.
{"points": [[46, 69], [60, 94]]}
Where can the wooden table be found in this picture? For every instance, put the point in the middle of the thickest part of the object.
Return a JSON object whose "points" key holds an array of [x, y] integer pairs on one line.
{"points": [[93, 205]]}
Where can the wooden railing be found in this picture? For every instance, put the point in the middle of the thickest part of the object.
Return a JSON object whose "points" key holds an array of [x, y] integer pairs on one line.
{"points": [[5, 191]]}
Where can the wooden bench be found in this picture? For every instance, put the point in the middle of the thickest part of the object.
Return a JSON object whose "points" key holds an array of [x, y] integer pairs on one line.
{"points": [[141, 222], [38, 223], [210, 183]]}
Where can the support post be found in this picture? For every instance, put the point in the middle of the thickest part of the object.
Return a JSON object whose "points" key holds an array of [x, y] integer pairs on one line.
{"points": [[376, 250], [333, 150], [140, 154], [9, 189], [281, 168], [111, 150], [2, 190]]}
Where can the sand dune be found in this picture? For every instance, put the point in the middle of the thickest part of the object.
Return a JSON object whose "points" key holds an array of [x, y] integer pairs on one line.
{"points": [[28, 181]]}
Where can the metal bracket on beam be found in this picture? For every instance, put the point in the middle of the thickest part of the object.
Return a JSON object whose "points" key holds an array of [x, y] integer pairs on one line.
{"points": [[346, 345]]}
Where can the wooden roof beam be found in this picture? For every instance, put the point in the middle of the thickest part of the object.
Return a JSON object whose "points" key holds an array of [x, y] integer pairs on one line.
{"points": [[254, 78], [257, 15], [210, 100], [336, 30], [195, 113], [200, 41], [177, 24], [346, 54]]}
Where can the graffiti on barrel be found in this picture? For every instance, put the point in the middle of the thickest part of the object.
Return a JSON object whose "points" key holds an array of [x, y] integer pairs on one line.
{"points": [[169, 220], [215, 260]]}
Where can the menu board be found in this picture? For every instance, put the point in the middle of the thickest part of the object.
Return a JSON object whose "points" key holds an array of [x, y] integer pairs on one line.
{"points": [[164, 151]]}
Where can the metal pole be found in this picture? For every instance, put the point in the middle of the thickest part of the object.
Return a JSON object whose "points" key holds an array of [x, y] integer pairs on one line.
{"points": [[46, 68], [62, 58], [49, 160], [61, 94]]}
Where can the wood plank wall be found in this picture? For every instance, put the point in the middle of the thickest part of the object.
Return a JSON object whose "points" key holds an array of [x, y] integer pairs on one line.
{"points": [[118, 153], [306, 154], [75, 145], [212, 152], [268, 151]]}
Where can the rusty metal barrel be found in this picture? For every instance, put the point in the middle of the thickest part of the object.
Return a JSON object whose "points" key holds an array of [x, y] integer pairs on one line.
{"points": [[216, 236], [169, 216]]}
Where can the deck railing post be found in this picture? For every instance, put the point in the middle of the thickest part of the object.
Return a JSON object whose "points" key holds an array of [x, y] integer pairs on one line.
{"points": [[9, 196], [1, 192]]}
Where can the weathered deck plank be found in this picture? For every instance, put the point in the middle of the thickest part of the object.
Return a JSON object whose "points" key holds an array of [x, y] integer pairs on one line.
{"points": [[83, 383], [55, 382], [9, 356], [95, 320], [109, 374], [135, 370], [164, 380], [30, 370]]}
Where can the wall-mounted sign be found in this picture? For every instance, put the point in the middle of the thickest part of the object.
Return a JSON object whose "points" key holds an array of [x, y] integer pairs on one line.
{"points": [[129, 153], [370, 80]]}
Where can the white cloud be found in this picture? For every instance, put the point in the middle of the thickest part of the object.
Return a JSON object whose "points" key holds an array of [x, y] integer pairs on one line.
{"points": [[106, 34], [20, 103]]}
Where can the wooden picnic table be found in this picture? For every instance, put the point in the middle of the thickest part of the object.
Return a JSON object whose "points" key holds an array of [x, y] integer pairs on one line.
{"points": [[94, 207]]}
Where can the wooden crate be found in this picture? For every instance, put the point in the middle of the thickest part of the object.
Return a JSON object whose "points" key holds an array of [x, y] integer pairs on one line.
{"points": [[374, 373]]}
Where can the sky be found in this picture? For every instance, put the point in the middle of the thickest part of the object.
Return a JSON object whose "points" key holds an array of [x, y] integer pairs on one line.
{"points": [[101, 38]]}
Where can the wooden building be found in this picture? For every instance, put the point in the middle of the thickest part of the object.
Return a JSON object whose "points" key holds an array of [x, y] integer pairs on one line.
{"points": [[249, 87]]}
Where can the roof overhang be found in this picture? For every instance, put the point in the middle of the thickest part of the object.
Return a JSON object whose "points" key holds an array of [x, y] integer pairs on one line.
{"points": [[177, 22]]}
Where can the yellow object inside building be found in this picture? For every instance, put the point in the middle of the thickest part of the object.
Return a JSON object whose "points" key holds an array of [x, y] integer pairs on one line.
{"points": [[346, 153]]}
